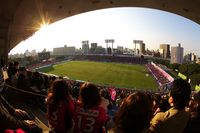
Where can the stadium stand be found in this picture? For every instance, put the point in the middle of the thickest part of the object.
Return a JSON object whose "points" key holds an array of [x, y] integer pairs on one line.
{"points": [[30, 89]]}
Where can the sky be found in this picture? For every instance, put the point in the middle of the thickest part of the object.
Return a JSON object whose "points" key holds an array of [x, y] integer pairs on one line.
{"points": [[124, 25]]}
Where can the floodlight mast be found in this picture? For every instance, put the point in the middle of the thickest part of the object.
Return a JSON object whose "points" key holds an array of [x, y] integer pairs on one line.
{"points": [[137, 42], [109, 41]]}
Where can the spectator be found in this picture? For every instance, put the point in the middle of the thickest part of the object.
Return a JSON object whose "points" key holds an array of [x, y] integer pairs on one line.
{"points": [[89, 116], [134, 114], [156, 102], [46, 82], [120, 99], [13, 70], [162, 106], [176, 118], [1, 75], [36, 80], [60, 107], [75, 90], [11, 118], [194, 109], [104, 101], [10, 69], [14, 77], [22, 82], [16, 65]]}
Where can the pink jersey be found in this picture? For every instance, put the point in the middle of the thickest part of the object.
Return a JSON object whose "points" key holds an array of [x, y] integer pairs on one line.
{"points": [[89, 120], [57, 118]]}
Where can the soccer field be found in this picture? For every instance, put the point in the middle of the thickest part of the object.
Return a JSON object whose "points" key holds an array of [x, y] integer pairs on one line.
{"points": [[103, 73]]}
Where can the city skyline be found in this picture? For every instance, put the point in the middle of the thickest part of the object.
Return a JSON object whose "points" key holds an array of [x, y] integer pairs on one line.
{"points": [[109, 46], [175, 56], [124, 25]]}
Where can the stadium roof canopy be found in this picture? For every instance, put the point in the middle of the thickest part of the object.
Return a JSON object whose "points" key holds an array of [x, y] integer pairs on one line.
{"points": [[19, 19]]}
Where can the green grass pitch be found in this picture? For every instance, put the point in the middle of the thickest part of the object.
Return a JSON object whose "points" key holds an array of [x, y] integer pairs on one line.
{"points": [[103, 73]]}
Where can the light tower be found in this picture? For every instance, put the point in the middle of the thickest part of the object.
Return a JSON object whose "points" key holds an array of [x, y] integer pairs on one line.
{"points": [[109, 41], [106, 41], [137, 42], [112, 41]]}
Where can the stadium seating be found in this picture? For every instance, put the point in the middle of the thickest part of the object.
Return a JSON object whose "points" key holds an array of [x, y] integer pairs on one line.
{"points": [[37, 84]]}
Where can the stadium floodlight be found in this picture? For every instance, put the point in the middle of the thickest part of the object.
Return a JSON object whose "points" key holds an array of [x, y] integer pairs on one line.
{"points": [[109, 41], [137, 42]]}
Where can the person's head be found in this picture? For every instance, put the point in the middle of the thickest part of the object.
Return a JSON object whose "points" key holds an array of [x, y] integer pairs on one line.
{"points": [[16, 64], [135, 113], [10, 65], [53, 78], [156, 100], [89, 95], [60, 90], [164, 104], [104, 93], [36, 74], [194, 105], [179, 93]]}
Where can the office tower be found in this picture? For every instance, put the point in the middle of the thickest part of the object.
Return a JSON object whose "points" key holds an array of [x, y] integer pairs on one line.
{"points": [[165, 48], [177, 54], [142, 48], [85, 47]]}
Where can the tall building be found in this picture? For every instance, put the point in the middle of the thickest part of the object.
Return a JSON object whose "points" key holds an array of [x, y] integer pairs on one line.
{"points": [[85, 47], [100, 50], [27, 53], [59, 51], [194, 57], [93, 45], [33, 53], [93, 48], [187, 58], [142, 48], [177, 54], [165, 48], [191, 57]]}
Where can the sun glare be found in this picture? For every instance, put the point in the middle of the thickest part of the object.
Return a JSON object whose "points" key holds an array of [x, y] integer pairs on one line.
{"points": [[43, 27]]}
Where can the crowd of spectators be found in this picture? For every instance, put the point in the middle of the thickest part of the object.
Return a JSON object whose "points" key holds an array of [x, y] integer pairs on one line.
{"points": [[40, 64], [111, 58], [84, 107], [160, 78]]}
